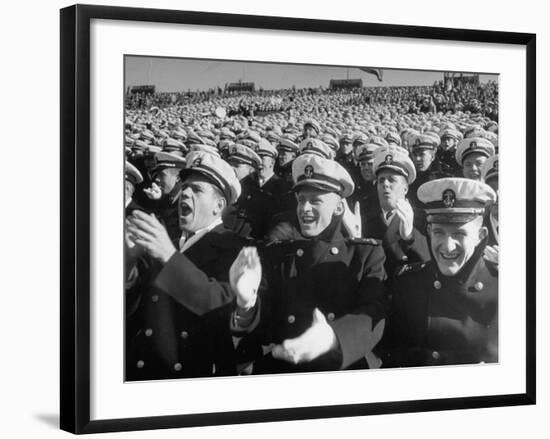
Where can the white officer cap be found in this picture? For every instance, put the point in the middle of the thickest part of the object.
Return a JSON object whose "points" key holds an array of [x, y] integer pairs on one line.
{"points": [[470, 145], [395, 159], [266, 149], [455, 200], [321, 173], [286, 144], [378, 140], [132, 174], [243, 154], [204, 148], [168, 160], [366, 152], [318, 147], [314, 124], [423, 141], [215, 169], [393, 138]]}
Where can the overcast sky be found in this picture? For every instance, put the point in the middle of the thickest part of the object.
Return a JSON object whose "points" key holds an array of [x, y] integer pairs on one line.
{"points": [[173, 74]]}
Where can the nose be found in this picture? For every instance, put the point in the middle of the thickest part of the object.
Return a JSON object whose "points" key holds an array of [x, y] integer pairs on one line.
{"points": [[305, 206], [448, 244], [186, 192]]}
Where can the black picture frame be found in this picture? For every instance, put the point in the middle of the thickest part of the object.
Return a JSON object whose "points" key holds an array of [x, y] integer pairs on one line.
{"points": [[75, 216]]}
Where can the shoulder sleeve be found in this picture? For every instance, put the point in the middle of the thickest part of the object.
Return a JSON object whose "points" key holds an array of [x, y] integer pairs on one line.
{"points": [[359, 331], [198, 291]]}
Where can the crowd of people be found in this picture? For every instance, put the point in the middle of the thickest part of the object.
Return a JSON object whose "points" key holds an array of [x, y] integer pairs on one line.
{"points": [[310, 230]]}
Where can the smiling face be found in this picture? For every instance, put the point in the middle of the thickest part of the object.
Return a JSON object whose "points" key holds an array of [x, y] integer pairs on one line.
{"points": [[452, 245], [200, 203], [423, 158], [471, 165], [391, 188], [316, 209]]}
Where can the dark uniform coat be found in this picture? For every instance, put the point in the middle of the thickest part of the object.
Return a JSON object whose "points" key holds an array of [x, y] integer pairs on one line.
{"points": [[448, 163], [442, 320], [132, 205], [285, 172], [398, 251], [342, 277], [177, 321], [254, 212], [366, 194]]}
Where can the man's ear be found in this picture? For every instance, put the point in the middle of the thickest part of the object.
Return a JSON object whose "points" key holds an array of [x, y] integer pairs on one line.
{"points": [[483, 232], [219, 206], [340, 207]]}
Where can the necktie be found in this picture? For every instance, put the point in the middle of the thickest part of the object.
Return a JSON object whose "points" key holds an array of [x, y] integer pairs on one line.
{"points": [[184, 238]]}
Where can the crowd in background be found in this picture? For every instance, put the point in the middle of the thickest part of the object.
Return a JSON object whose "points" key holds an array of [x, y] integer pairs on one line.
{"points": [[400, 160]]}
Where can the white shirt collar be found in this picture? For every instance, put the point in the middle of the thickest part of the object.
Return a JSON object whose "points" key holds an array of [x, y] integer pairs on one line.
{"points": [[185, 243]]}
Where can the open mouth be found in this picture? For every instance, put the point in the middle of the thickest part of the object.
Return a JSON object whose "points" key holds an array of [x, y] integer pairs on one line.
{"points": [[185, 209], [449, 256], [307, 219]]}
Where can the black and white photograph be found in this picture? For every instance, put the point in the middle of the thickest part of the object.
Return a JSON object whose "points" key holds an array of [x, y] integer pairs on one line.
{"points": [[286, 218]]}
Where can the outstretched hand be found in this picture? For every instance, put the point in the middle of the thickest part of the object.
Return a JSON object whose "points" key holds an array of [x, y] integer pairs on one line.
{"points": [[154, 192], [405, 213], [352, 220], [149, 233], [245, 275], [318, 339]]}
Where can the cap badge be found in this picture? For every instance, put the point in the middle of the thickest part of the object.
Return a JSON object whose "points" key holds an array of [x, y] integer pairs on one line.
{"points": [[308, 171], [309, 144], [417, 142], [473, 144], [449, 198], [197, 161], [495, 165], [389, 159]]}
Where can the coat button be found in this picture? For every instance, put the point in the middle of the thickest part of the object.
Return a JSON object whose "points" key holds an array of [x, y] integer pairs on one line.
{"points": [[249, 197], [478, 286], [330, 316], [300, 252], [435, 355], [178, 367], [405, 258], [334, 251], [184, 334], [291, 319], [155, 297], [148, 332], [140, 364], [437, 285]]}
